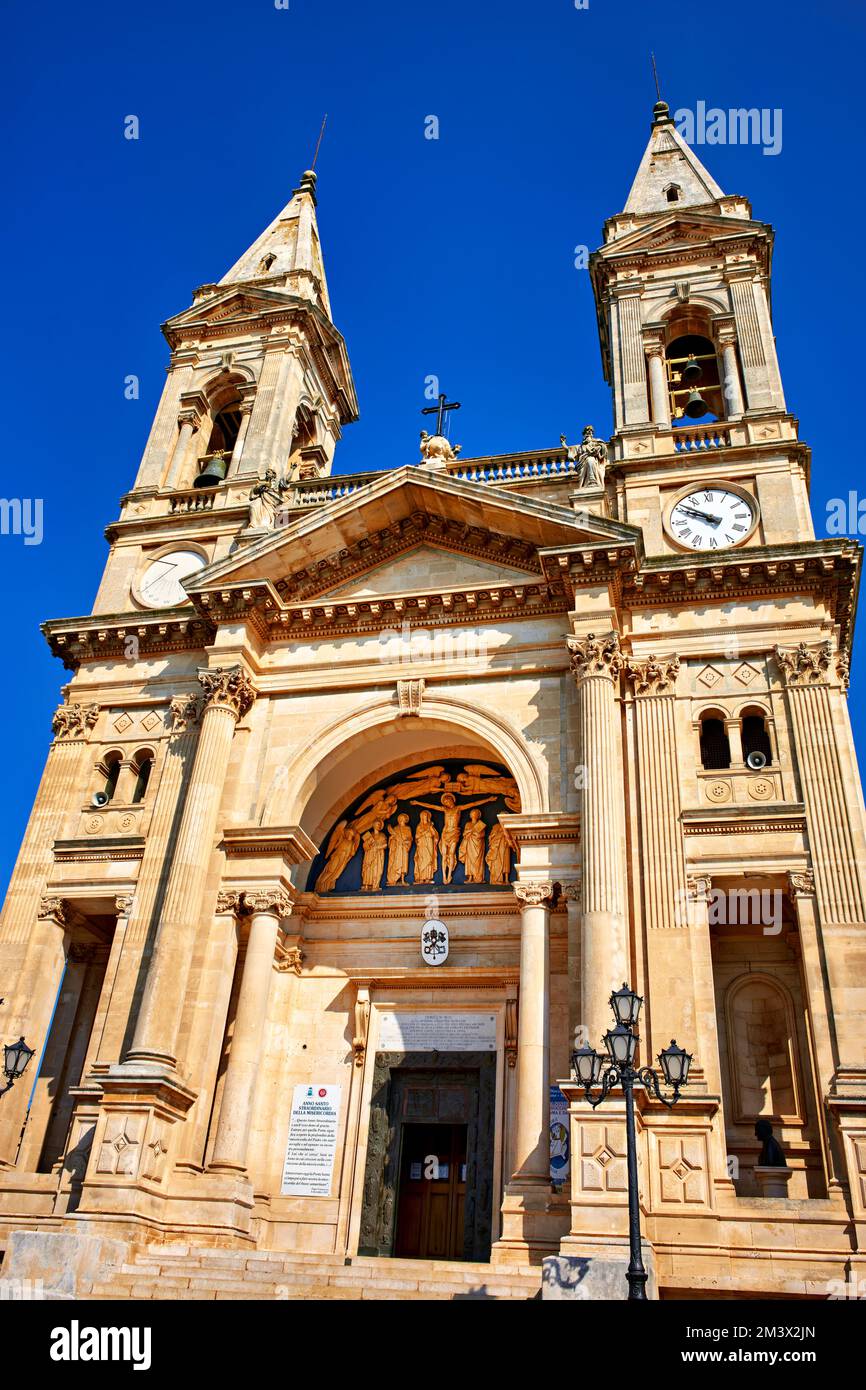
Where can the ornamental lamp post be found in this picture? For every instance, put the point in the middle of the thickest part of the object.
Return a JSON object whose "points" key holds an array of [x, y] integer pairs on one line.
{"points": [[591, 1068], [16, 1057]]}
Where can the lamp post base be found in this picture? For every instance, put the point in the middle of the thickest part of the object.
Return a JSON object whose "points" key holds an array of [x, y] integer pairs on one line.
{"points": [[589, 1276]]}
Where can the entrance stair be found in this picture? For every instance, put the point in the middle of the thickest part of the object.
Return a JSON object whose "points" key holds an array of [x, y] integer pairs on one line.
{"points": [[193, 1272]]}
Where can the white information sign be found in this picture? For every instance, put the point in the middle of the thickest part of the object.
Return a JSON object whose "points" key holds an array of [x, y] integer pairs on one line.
{"points": [[439, 1032], [312, 1143]]}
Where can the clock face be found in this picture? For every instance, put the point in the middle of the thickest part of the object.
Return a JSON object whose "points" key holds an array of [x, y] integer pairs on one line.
{"points": [[160, 586], [712, 517]]}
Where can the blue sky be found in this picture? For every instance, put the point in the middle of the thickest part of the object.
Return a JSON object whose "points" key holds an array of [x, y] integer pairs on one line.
{"points": [[452, 257]]}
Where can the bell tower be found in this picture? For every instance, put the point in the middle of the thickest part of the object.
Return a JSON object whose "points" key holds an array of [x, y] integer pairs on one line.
{"points": [[257, 391], [682, 289]]}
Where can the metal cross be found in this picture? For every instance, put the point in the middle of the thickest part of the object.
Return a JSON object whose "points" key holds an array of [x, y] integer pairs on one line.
{"points": [[440, 409]]}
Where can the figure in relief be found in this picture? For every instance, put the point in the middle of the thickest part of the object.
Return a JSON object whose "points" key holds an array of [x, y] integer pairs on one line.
{"points": [[399, 845], [450, 838], [426, 849], [472, 848], [372, 867], [341, 848], [499, 850]]}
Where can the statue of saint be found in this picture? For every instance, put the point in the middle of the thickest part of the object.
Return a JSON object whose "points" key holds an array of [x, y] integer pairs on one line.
{"points": [[399, 845], [500, 849], [265, 500], [341, 848], [590, 455], [451, 829], [772, 1154], [472, 848], [373, 864], [426, 849]]}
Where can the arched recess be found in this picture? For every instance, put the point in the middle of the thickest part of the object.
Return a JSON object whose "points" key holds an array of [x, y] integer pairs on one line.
{"points": [[763, 1061], [332, 768]]}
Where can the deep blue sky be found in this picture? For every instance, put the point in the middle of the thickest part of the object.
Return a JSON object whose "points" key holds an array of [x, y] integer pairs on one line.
{"points": [[452, 257]]}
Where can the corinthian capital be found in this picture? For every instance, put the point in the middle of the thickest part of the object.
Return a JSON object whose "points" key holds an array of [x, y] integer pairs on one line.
{"points": [[653, 677], [274, 901], [229, 686], [805, 665], [802, 884], [183, 712], [595, 656], [74, 721], [52, 910], [533, 894]]}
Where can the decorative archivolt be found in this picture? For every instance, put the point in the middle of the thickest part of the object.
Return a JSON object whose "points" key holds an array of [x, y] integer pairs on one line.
{"points": [[287, 796]]}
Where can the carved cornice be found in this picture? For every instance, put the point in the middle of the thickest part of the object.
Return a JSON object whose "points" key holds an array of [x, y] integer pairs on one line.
{"points": [[652, 677], [52, 910], [595, 656], [804, 664], [533, 894], [801, 883], [184, 711], [273, 901], [72, 722], [228, 687]]}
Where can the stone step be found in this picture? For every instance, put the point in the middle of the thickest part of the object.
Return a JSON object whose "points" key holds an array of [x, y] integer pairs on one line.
{"points": [[198, 1272]]}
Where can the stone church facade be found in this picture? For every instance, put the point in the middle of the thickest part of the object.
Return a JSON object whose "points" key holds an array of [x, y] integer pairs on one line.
{"points": [[366, 790]]}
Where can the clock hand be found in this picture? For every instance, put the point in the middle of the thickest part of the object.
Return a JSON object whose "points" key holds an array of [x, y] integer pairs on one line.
{"points": [[704, 516]]}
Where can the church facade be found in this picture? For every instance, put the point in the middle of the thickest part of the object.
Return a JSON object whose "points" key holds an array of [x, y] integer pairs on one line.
{"points": [[367, 790]]}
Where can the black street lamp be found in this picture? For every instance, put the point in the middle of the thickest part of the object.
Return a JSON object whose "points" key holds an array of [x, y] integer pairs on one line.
{"points": [[617, 1069], [15, 1060]]}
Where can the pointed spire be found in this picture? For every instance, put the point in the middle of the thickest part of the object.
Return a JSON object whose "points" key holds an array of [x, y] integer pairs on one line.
{"points": [[288, 254], [669, 167]]}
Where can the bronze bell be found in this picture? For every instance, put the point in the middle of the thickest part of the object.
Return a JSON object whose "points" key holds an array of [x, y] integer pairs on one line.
{"points": [[692, 370], [696, 406], [214, 471]]}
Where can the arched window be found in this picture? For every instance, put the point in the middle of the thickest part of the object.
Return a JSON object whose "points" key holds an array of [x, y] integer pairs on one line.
{"points": [[112, 772], [225, 428], [143, 765], [755, 736], [693, 379], [715, 748]]}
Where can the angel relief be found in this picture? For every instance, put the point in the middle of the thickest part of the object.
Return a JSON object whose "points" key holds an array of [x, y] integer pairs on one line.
{"points": [[433, 825]]}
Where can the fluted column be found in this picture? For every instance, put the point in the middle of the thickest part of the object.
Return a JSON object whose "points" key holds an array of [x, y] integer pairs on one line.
{"points": [[572, 891], [813, 676], [229, 693], [268, 908], [532, 1138], [596, 663]]}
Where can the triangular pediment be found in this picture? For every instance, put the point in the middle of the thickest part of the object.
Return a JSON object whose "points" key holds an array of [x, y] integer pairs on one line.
{"points": [[682, 229], [228, 303], [375, 536], [428, 567]]}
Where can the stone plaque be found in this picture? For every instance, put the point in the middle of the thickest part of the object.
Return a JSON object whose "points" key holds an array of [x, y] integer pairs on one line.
{"points": [[312, 1142], [440, 1032]]}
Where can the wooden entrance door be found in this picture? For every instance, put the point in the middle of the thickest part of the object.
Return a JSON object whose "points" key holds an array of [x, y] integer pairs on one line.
{"points": [[431, 1211]]}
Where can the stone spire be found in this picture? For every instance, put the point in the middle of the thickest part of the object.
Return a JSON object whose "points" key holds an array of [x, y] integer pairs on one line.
{"points": [[288, 254], [669, 165]]}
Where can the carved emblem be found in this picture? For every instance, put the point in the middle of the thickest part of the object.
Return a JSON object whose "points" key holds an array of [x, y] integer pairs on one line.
{"points": [[434, 942]]}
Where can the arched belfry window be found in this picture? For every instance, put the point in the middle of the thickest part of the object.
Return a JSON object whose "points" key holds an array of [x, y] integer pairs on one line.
{"points": [[756, 738], [142, 766], [715, 747], [111, 768], [225, 428], [693, 379]]}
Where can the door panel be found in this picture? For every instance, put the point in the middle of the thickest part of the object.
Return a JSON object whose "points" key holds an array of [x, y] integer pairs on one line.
{"points": [[432, 1196]]}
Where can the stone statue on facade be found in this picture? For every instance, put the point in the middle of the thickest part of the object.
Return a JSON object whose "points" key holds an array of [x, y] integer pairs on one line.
{"points": [[589, 456], [436, 450], [266, 498], [772, 1155]]}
